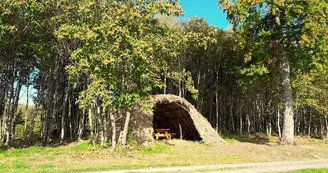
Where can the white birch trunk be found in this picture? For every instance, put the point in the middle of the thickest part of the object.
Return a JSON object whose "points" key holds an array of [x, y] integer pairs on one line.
{"points": [[91, 127], [26, 106], [165, 83], [81, 125], [62, 129], [113, 124], [126, 128]]}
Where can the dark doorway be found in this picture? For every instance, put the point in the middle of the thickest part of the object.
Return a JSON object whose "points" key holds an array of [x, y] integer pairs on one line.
{"points": [[173, 116]]}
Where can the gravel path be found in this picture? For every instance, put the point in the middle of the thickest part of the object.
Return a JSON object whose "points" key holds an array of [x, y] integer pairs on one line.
{"points": [[236, 168]]}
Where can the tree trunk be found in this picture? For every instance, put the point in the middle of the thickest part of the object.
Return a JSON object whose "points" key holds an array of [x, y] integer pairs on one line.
{"points": [[14, 113], [248, 125], [309, 123], [288, 125], [240, 123], [70, 117], [198, 102], [105, 125], [322, 128], [81, 125], [278, 123], [269, 128], [180, 130], [1, 141], [180, 88], [9, 113], [62, 130], [91, 123], [126, 127], [217, 102], [29, 131], [27, 99], [286, 89], [50, 106], [231, 119], [165, 83], [326, 123], [113, 124]]}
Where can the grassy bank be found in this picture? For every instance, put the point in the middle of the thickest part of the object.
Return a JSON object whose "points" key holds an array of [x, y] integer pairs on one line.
{"points": [[80, 156]]}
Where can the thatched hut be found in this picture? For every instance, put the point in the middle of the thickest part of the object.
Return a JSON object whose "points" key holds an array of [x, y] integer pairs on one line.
{"points": [[174, 113]]}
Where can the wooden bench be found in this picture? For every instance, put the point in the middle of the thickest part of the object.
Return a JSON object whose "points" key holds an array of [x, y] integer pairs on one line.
{"points": [[162, 133]]}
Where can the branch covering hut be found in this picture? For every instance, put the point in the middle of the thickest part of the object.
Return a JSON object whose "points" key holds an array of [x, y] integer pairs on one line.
{"points": [[174, 113]]}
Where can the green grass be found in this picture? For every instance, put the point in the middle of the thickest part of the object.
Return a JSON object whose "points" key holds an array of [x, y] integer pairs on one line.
{"points": [[3, 166], [20, 152], [23, 152], [198, 170], [19, 164], [82, 157], [258, 138], [84, 146], [157, 149], [45, 166], [323, 170]]}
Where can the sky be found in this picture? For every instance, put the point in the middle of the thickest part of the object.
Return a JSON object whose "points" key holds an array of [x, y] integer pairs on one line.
{"points": [[207, 9], [201, 8]]}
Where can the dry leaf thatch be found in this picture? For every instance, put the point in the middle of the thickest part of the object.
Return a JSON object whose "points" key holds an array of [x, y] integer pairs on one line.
{"points": [[143, 127]]}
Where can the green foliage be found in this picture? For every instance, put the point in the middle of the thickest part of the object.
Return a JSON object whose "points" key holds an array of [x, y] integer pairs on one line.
{"points": [[253, 69], [256, 22], [312, 87], [269, 30], [117, 50], [20, 129]]}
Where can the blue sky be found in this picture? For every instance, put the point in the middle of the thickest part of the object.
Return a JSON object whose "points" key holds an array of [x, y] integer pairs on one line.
{"points": [[207, 9]]}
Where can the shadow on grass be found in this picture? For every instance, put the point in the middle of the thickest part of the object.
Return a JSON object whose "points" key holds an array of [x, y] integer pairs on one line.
{"points": [[253, 138]]}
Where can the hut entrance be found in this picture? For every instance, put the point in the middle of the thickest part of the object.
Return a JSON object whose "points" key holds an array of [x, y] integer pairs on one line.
{"points": [[176, 118]]}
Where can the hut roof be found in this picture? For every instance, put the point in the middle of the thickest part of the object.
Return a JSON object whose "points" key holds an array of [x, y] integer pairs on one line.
{"points": [[171, 109]]}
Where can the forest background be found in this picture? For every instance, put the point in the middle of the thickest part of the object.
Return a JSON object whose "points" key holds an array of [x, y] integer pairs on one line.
{"points": [[90, 61]]}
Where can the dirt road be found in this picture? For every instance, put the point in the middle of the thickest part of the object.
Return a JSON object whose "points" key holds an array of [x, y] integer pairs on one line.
{"points": [[236, 168]]}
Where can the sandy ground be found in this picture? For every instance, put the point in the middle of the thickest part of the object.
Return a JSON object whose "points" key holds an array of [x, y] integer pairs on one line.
{"points": [[237, 168]]}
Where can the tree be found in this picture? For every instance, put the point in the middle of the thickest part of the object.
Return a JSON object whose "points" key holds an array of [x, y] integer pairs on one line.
{"points": [[274, 30], [116, 52], [21, 45]]}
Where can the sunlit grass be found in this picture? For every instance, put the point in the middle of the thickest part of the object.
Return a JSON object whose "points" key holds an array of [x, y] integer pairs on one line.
{"points": [[19, 164], [82, 157], [323, 170], [157, 149], [83, 146]]}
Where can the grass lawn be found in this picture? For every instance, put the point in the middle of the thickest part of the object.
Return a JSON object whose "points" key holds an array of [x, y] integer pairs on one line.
{"points": [[80, 156], [324, 170]]}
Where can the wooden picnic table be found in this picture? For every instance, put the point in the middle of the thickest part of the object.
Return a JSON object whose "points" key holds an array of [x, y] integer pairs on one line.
{"points": [[162, 133]]}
